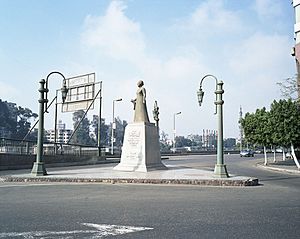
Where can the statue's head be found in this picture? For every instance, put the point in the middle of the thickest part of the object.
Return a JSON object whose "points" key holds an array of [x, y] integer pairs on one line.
{"points": [[140, 83]]}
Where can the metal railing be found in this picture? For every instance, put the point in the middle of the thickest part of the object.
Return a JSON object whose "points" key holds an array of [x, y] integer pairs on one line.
{"points": [[15, 146], [25, 147]]}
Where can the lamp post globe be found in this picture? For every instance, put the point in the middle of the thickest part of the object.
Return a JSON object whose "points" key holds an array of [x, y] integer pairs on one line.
{"points": [[200, 94], [64, 92]]}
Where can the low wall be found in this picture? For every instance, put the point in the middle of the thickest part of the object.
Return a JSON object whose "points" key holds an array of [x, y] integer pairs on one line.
{"points": [[17, 161]]}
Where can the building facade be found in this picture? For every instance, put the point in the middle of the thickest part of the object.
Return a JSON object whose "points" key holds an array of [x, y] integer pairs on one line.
{"points": [[62, 136], [296, 49]]}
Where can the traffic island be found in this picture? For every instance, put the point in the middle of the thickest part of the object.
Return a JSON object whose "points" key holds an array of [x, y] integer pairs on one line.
{"points": [[173, 176], [201, 182]]}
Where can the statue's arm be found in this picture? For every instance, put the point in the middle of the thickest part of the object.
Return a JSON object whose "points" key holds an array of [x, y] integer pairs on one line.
{"points": [[134, 103], [144, 95]]}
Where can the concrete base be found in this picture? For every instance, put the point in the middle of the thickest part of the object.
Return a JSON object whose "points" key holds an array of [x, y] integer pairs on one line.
{"points": [[38, 169], [141, 151], [221, 171], [177, 174]]}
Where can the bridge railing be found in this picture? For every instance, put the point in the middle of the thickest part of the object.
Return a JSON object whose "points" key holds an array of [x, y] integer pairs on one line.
{"points": [[16, 146], [27, 147]]}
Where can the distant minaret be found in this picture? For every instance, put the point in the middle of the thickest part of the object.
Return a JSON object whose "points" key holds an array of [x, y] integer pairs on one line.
{"points": [[241, 129]]}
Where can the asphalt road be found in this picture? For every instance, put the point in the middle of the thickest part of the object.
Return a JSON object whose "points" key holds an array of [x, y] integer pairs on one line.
{"points": [[241, 166], [271, 210]]}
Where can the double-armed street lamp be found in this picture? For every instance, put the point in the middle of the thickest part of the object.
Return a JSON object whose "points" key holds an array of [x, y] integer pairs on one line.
{"points": [[113, 127], [220, 167], [174, 130], [38, 168]]}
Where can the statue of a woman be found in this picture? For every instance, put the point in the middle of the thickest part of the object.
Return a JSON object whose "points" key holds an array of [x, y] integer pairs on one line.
{"points": [[140, 108]]}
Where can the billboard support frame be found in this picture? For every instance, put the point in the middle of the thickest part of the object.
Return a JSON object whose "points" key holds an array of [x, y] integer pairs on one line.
{"points": [[85, 113]]}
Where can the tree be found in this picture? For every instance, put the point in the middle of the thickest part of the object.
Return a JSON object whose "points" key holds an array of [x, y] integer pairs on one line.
{"points": [[249, 124], [278, 117], [181, 141], [258, 129], [23, 122], [82, 135], [4, 116], [286, 127], [230, 143], [120, 131], [15, 120], [289, 88], [164, 146], [103, 130], [196, 140], [280, 126]]}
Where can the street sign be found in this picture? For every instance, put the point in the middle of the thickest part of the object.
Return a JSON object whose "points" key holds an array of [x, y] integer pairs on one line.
{"points": [[81, 92], [81, 80]]}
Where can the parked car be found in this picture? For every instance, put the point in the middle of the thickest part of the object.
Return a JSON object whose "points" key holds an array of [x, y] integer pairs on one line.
{"points": [[247, 153], [288, 155]]}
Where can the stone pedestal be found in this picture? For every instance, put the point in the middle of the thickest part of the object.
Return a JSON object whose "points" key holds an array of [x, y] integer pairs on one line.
{"points": [[141, 151]]}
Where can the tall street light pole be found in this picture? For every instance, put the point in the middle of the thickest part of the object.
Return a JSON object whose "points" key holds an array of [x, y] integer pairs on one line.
{"points": [[38, 168], [113, 127], [100, 121], [174, 130], [220, 167]]}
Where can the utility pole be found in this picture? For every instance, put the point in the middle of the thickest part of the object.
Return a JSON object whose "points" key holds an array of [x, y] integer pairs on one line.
{"points": [[174, 130], [113, 127], [241, 129], [100, 121]]}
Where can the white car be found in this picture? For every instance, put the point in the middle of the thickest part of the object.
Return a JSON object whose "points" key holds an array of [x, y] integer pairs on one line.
{"points": [[288, 156], [247, 153]]}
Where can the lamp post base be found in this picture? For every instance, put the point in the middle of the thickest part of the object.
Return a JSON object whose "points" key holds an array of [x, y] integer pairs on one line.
{"points": [[221, 171], [38, 169]]}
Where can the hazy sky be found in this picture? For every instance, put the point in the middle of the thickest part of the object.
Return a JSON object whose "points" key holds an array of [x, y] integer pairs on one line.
{"points": [[170, 44]]}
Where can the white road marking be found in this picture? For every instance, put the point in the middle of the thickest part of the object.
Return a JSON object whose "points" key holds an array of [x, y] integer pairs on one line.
{"points": [[100, 231], [115, 229]]}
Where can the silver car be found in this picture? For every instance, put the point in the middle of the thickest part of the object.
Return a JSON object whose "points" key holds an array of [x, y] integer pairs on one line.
{"points": [[247, 153]]}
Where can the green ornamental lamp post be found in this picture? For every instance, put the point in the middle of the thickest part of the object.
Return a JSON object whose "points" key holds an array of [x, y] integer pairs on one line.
{"points": [[220, 168], [38, 168]]}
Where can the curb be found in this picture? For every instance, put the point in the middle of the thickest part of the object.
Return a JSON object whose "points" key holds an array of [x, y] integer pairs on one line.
{"points": [[292, 171], [200, 182]]}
